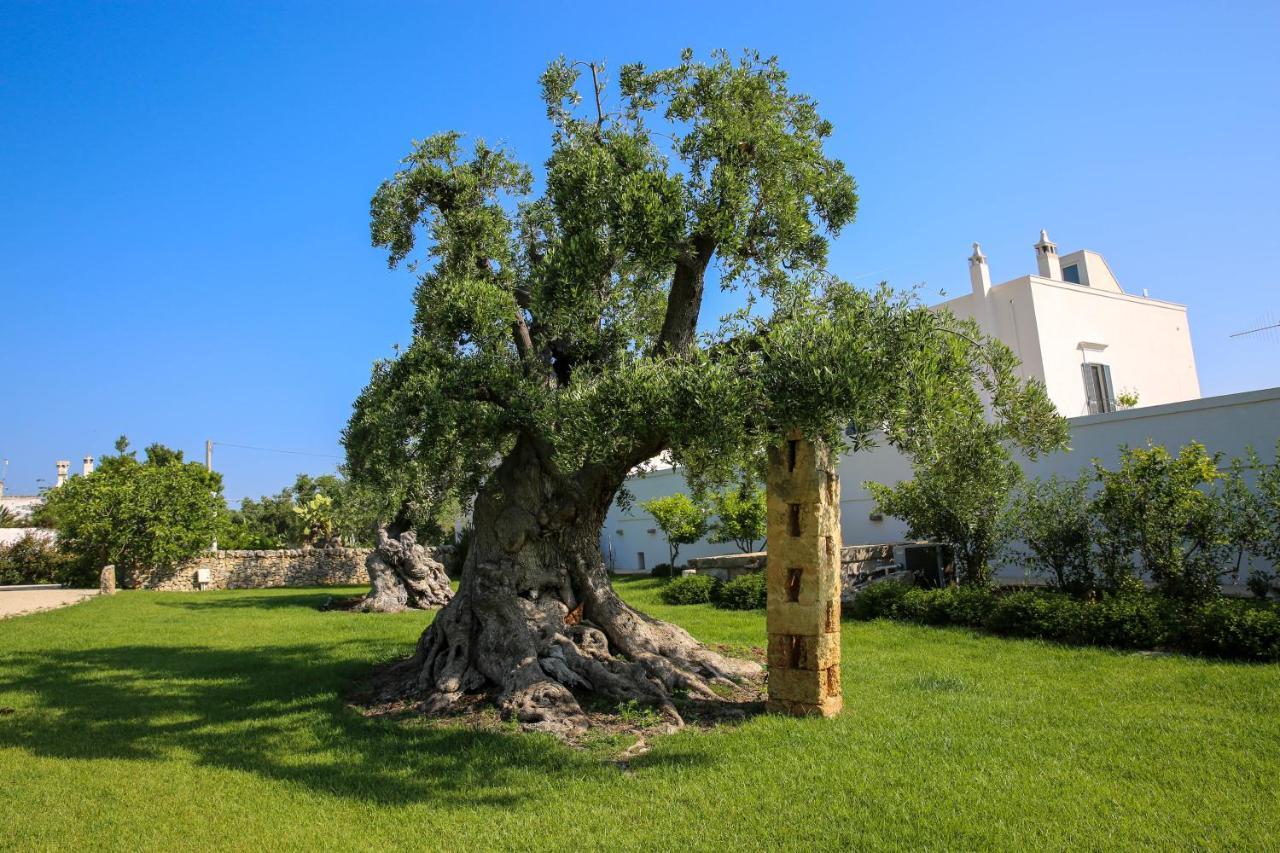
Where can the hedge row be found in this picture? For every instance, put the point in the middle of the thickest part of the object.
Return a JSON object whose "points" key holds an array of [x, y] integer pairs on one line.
{"points": [[745, 592], [1221, 627]]}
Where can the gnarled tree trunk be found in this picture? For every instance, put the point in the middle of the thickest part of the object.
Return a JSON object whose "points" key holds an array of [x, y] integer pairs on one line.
{"points": [[536, 619], [403, 574]]}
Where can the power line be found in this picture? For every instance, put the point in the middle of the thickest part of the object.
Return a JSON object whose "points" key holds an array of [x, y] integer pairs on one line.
{"points": [[277, 450]]}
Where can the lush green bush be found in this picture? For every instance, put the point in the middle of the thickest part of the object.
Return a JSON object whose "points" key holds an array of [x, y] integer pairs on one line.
{"points": [[690, 589], [662, 570], [1127, 620], [968, 606], [745, 592], [959, 495], [740, 516], [1031, 614], [1220, 627], [1166, 515], [1232, 628], [34, 559], [1050, 521], [878, 600], [135, 515]]}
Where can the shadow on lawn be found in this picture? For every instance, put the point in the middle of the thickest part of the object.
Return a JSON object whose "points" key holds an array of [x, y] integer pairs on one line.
{"points": [[274, 712], [311, 600]]}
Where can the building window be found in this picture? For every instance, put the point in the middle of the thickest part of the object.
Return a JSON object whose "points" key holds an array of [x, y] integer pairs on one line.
{"points": [[1098, 389], [1071, 273]]}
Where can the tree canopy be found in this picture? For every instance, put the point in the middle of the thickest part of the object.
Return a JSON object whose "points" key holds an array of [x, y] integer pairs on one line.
{"points": [[134, 514], [572, 317]]}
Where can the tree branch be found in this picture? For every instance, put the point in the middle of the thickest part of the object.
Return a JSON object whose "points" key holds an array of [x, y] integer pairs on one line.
{"points": [[684, 302]]}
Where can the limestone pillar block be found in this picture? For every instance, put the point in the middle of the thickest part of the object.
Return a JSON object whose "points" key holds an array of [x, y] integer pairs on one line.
{"points": [[803, 580]]}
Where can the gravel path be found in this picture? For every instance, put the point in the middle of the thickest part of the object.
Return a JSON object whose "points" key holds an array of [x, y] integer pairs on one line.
{"points": [[15, 602]]}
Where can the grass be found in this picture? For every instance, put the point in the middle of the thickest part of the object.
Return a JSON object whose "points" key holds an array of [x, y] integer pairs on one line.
{"points": [[195, 720]]}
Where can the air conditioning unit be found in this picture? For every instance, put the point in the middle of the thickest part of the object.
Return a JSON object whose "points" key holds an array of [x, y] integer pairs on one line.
{"points": [[203, 578]]}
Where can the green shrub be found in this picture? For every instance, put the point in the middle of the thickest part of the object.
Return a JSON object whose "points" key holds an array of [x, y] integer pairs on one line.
{"points": [[690, 589], [745, 592], [1130, 620], [966, 605], [923, 606], [34, 559], [1232, 628], [1027, 613], [662, 570], [878, 600]]}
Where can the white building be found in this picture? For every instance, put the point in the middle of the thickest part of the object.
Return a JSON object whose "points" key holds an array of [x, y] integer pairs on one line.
{"points": [[1074, 328]]}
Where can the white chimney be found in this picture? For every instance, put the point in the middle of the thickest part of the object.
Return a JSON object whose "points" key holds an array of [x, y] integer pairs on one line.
{"points": [[88, 465], [1047, 258], [64, 465], [980, 279]]}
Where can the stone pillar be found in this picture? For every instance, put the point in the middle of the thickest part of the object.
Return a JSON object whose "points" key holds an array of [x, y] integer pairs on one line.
{"points": [[803, 579], [107, 581]]}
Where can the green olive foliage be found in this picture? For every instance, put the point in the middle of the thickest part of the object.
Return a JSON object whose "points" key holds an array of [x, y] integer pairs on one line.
{"points": [[570, 317]]}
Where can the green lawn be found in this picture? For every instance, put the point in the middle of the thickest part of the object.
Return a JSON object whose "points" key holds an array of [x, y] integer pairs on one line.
{"points": [[192, 720]]}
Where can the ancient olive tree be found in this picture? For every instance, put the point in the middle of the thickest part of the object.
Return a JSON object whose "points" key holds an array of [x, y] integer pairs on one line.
{"points": [[559, 341]]}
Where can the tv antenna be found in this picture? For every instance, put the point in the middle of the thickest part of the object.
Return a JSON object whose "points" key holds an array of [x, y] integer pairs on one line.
{"points": [[1269, 330]]}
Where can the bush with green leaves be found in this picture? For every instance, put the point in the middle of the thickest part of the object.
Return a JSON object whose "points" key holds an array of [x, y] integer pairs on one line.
{"points": [[878, 599], [745, 592], [741, 516], [1161, 514], [1232, 628], [689, 589], [33, 559], [1052, 526], [136, 515], [1134, 619], [681, 518], [959, 490]]}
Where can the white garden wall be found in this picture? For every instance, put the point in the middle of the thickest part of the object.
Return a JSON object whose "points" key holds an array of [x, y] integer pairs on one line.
{"points": [[1227, 424]]}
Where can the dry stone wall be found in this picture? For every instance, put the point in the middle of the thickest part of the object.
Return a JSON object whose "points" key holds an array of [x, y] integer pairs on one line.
{"points": [[261, 569]]}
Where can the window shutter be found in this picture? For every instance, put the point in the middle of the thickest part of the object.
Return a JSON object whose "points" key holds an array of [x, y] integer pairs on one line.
{"points": [[1108, 390], [1090, 388]]}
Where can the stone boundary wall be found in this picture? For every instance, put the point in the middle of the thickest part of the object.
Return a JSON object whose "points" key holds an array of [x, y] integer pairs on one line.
{"points": [[854, 559], [262, 569]]}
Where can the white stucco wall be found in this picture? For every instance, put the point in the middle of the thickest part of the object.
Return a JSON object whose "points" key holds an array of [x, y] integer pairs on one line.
{"points": [[21, 505], [1227, 424], [1147, 344]]}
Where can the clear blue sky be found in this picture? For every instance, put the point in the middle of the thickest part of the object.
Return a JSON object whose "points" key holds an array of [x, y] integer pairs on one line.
{"points": [[184, 187]]}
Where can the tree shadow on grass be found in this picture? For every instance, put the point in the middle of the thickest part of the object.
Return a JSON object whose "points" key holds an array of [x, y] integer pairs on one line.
{"points": [[275, 712], [312, 599]]}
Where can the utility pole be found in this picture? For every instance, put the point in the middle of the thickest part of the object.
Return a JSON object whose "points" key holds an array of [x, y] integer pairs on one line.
{"points": [[208, 454]]}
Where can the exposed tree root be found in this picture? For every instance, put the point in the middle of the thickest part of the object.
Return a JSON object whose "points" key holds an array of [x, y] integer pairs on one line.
{"points": [[539, 659]]}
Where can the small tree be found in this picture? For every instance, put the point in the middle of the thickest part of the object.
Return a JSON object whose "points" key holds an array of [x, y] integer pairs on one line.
{"points": [[1160, 514], [1253, 515], [136, 515], [741, 516], [681, 518], [958, 495], [1051, 518]]}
